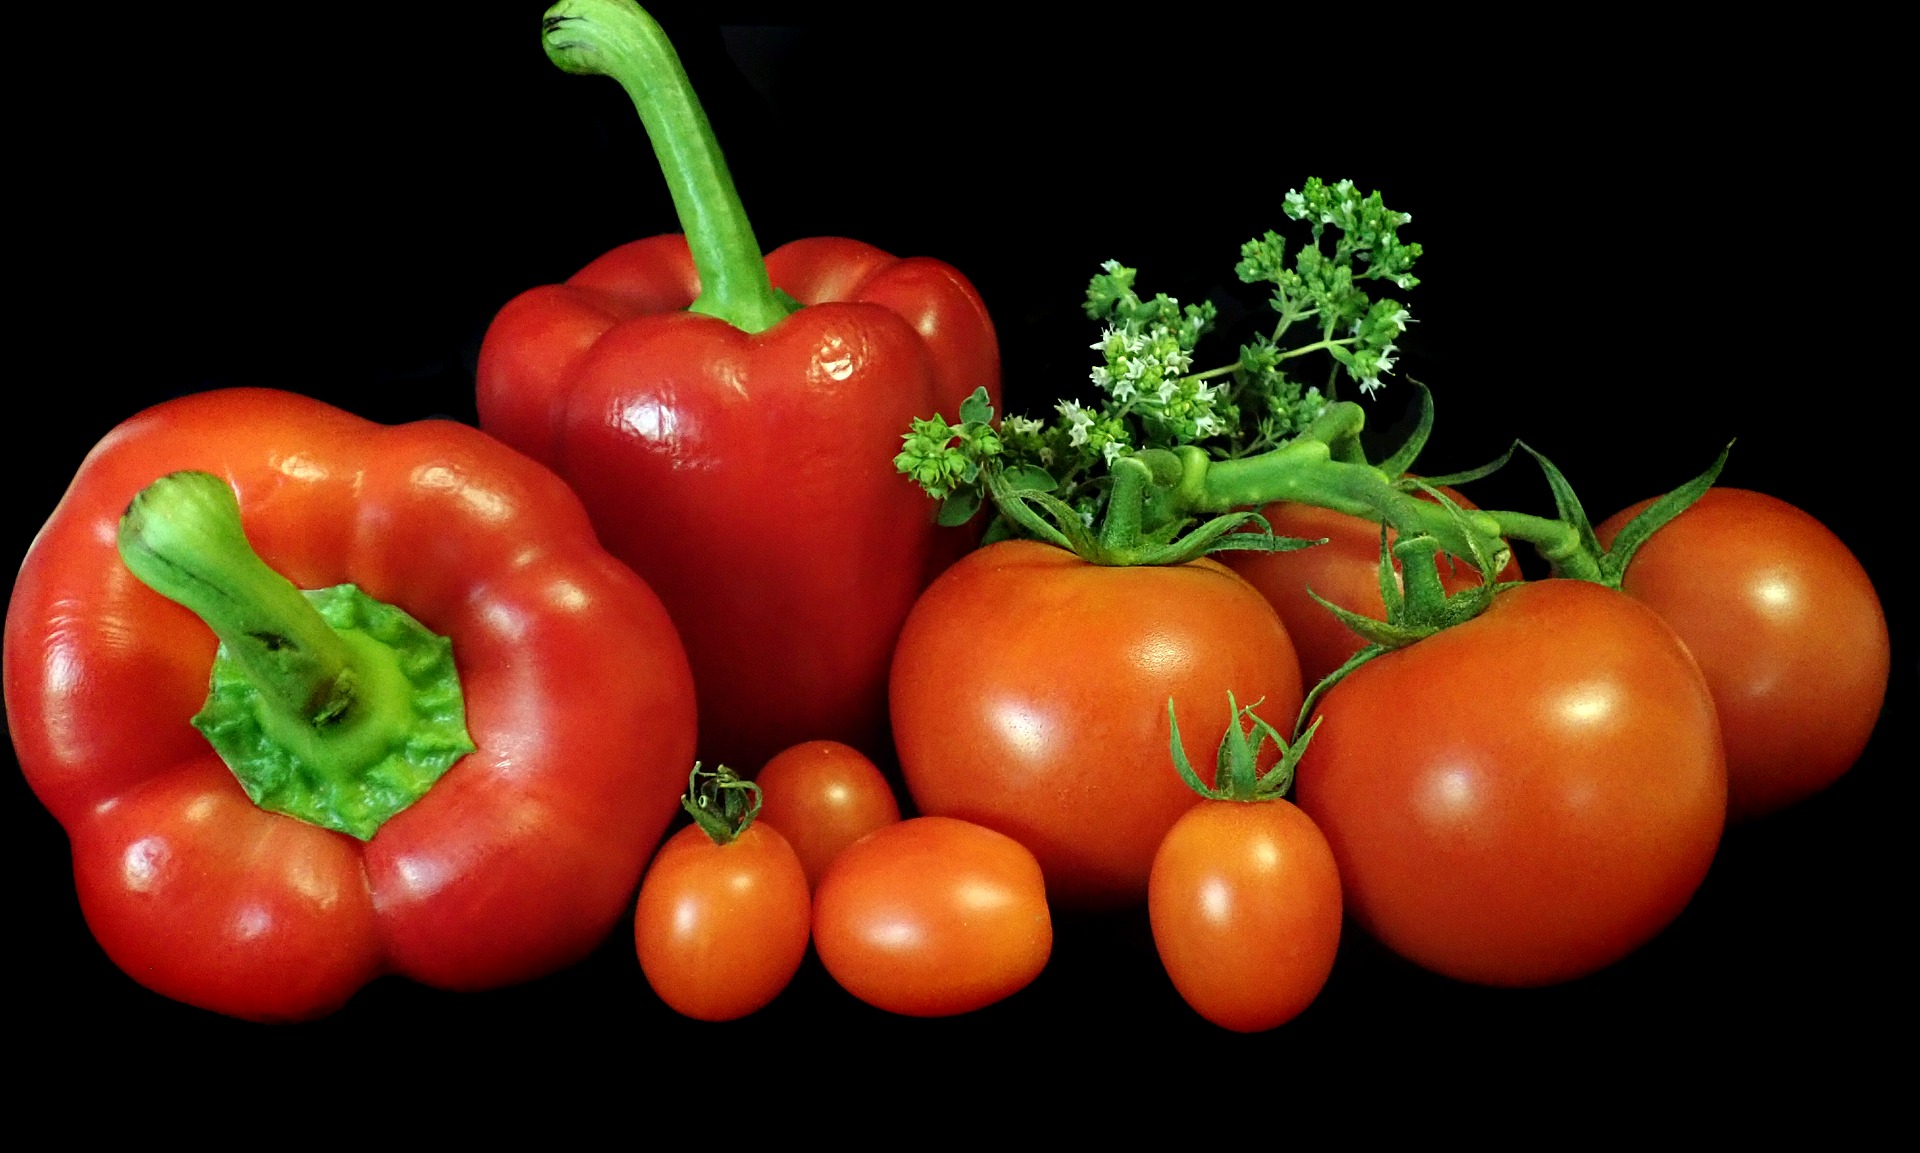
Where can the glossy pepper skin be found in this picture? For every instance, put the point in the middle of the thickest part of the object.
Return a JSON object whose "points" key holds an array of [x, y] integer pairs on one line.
{"points": [[748, 478], [517, 862]]}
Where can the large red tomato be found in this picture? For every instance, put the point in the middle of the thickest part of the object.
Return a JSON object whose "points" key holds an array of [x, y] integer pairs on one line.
{"points": [[1787, 630], [1526, 797], [1345, 570], [1029, 694]]}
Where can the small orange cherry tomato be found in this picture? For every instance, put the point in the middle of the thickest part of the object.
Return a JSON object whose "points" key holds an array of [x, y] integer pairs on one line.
{"points": [[824, 796], [932, 917], [1244, 899], [721, 929]]}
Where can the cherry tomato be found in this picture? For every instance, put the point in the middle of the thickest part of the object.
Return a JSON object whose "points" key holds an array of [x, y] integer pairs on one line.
{"points": [[1030, 692], [1345, 571], [721, 929], [1526, 797], [824, 796], [932, 917], [1788, 632], [1245, 905]]}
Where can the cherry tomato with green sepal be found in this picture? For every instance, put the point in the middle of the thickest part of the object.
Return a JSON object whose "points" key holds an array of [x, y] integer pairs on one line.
{"points": [[724, 913], [1244, 898]]}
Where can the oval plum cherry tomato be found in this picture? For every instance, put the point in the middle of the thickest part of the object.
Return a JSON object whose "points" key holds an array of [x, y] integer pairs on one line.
{"points": [[1345, 571], [721, 929], [1245, 905], [1788, 632], [1030, 690], [1526, 797], [932, 917], [824, 796]]}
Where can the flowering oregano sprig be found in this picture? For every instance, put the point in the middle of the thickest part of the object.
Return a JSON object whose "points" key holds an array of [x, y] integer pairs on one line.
{"points": [[1149, 394]]}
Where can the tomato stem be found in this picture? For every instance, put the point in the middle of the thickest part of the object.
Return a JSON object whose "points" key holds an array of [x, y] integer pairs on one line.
{"points": [[1305, 472], [1237, 775], [720, 802]]}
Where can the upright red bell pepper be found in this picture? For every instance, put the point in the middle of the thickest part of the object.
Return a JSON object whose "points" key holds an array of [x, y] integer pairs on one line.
{"points": [[566, 682], [730, 421]]}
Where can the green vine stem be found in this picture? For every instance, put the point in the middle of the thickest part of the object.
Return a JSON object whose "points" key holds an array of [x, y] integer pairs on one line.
{"points": [[618, 40], [1304, 471]]}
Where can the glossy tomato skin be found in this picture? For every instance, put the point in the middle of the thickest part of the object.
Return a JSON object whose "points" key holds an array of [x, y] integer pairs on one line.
{"points": [[1787, 629], [1245, 905], [1345, 571], [824, 796], [720, 930], [1524, 798], [931, 917], [1030, 690]]}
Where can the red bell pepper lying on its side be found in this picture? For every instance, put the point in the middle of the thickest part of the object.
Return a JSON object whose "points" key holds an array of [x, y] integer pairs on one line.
{"points": [[518, 860], [730, 422]]}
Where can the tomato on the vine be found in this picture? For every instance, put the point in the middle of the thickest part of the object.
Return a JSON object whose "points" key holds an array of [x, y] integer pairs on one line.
{"points": [[932, 917], [824, 795], [1345, 571], [1244, 901], [1029, 694], [1787, 630], [722, 928], [1526, 797]]}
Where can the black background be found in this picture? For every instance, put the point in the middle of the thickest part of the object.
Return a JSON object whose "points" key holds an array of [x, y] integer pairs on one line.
{"points": [[1639, 248]]}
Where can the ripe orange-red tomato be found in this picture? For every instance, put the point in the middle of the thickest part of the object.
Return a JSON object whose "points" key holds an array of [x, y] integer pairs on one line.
{"points": [[1526, 797], [1245, 905], [932, 917], [1788, 632], [824, 796], [721, 929], [1345, 570], [1030, 691]]}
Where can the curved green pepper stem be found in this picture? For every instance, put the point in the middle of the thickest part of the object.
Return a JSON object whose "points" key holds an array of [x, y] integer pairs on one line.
{"points": [[181, 536], [616, 39], [328, 706]]}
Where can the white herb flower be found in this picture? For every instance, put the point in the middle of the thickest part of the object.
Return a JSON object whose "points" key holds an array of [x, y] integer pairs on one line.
{"points": [[1079, 421]]}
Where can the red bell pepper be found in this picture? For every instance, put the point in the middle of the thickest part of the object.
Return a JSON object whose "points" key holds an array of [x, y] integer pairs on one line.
{"points": [[730, 421], [518, 860]]}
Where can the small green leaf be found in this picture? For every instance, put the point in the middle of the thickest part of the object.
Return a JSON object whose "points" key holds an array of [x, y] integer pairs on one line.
{"points": [[976, 407], [1566, 502], [1653, 518], [1456, 479], [959, 508], [1179, 753], [1375, 632], [1028, 478], [1403, 457]]}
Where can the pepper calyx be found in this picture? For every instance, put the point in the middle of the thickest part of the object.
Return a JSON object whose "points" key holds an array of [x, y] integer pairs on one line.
{"points": [[327, 705]]}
